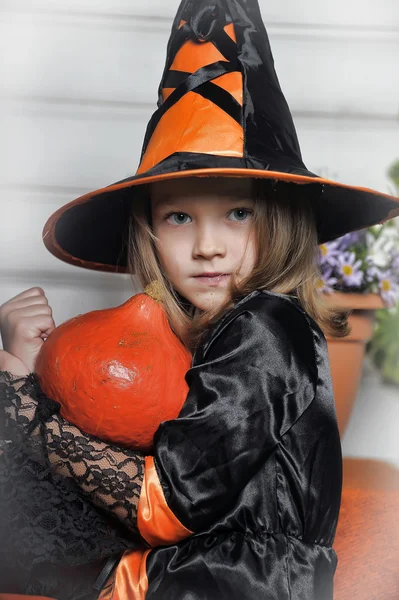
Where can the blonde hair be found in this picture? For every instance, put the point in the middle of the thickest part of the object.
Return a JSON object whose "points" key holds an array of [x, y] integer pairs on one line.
{"points": [[286, 263]]}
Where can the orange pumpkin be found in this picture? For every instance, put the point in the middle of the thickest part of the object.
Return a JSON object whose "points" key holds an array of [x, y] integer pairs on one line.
{"points": [[118, 373]]}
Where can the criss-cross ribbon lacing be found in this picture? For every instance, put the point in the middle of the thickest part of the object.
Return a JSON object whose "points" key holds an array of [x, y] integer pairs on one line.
{"points": [[206, 25]]}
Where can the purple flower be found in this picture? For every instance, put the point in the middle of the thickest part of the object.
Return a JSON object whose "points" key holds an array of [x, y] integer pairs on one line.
{"points": [[373, 273], [347, 240], [349, 263], [388, 289], [349, 268], [329, 252], [325, 282]]}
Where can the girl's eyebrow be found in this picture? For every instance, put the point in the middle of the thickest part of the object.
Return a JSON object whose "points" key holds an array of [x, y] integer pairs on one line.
{"points": [[165, 204], [169, 200]]}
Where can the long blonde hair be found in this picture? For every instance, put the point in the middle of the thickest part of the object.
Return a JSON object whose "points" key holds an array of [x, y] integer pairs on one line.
{"points": [[287, 263]]}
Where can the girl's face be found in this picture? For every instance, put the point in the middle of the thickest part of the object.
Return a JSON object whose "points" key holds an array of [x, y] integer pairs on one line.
{"points": [[204, 229]]}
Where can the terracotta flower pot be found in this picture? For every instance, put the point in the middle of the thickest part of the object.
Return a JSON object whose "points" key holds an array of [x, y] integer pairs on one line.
{"points": [[347, 354]]}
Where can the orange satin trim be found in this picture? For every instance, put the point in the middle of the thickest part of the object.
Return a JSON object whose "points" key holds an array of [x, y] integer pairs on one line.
{"points": [[156, 522], [129, 581], [193, 124], [48, 232]]}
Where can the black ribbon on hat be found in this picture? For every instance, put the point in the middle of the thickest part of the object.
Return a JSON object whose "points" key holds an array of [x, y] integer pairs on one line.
{"points": [[200, 82]]}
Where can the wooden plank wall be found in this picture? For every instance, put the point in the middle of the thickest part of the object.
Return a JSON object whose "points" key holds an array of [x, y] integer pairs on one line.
{"points": [[78, 85]]}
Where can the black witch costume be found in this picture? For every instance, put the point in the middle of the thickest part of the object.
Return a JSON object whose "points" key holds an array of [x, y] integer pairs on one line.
{"points": [[241, 497], [244, 486]]}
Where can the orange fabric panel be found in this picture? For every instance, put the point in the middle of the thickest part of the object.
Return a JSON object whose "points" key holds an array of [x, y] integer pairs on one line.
{"points": [[156, 522], [193, 124], [231, 82], [229, 29], [129, 581], [166, 92], [195, 55]]}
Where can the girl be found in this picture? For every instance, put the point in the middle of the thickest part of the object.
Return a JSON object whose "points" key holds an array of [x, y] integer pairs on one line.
{"points": [[241, 496]]}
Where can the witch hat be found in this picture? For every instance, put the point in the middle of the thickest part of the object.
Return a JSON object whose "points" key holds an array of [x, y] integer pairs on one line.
{"points": [[221, 112]]}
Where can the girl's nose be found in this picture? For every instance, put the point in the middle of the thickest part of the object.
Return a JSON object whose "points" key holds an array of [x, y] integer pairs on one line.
{"points": [[208, 243]]}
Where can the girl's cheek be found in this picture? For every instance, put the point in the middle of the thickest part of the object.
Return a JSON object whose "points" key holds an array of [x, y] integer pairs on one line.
{"points": [[172, 262], [176, 267]]}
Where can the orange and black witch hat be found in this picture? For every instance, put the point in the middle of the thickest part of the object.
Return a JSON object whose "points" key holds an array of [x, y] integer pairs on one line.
{"points": [[221, 112]]}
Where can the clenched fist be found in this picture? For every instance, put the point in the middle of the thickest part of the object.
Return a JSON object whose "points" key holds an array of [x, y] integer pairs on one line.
{"points": [[25, 322]]}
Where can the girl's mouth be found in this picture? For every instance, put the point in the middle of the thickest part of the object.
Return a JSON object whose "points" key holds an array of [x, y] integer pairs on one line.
{"points": [[212, 278]]}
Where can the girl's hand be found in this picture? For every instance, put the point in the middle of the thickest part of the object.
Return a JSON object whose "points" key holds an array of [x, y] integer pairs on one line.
{"points": [[13, 365], [25, 321]]}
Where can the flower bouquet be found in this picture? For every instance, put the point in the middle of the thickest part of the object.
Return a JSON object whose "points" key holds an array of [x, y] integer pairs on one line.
{"points": [[367, 262]]}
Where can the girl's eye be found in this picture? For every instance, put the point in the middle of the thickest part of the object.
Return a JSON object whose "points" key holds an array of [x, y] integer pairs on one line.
{"points": [[177, 218], [241, 214]]}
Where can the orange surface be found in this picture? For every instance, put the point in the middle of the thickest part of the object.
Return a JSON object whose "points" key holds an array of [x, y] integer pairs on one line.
{"points": [[347, 354], [129, 581], [156, 522], [193, 56], [194, 124], [118, 373], [367, 540]]}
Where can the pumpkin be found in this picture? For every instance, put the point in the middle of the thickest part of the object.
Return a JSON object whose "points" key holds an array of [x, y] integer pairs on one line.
{"points": [[117, 373]]}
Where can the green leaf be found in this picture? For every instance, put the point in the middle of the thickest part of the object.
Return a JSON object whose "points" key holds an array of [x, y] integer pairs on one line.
{"points": [[384, 345]]}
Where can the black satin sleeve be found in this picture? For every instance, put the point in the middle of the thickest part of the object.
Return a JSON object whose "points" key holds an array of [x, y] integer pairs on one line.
{"points": [[249, 384]]}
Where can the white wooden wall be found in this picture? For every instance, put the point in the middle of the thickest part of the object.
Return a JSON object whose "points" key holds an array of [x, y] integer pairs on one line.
{"points": [[79, 81]]}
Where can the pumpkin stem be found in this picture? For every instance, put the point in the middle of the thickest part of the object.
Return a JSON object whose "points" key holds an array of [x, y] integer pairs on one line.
{"points": [[154, 290]]}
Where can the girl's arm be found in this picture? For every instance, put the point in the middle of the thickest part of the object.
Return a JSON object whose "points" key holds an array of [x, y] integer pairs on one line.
{"points": [[25, 322], [109, 476], [68, 502], [249, 386]]}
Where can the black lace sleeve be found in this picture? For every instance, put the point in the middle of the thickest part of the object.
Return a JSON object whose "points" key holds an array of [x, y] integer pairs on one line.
{"points": [[65, 497]]}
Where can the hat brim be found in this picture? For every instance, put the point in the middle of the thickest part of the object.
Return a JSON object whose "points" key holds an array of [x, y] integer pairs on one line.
{"points": [[90, 232]]}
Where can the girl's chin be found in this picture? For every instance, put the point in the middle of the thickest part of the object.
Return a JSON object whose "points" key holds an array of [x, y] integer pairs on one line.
{"points": [[210, 299]]}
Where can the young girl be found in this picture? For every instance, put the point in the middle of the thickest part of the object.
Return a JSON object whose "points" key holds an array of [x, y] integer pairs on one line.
{"points": [[241, 496]]}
